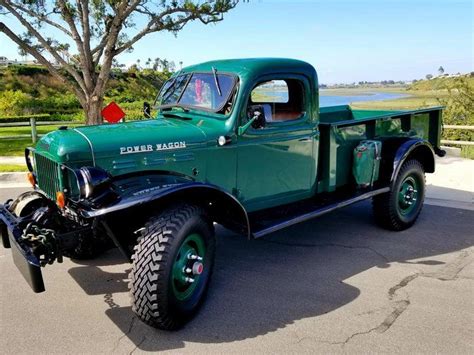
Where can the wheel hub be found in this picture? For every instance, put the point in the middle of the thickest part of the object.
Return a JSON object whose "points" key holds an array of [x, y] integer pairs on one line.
{"points": [[408, 195], [188, 266], [197, 268]]}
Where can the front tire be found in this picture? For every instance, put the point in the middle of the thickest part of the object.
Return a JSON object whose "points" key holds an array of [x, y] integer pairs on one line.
{"points": [[172, 266], [399, 208]]}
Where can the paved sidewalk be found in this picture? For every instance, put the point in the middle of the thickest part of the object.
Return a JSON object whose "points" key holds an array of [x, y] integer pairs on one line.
{"points": [[12, 160], [451, 186]]}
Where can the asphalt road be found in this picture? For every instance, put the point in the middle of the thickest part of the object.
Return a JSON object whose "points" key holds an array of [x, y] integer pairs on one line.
{"points": [[335, 284]]}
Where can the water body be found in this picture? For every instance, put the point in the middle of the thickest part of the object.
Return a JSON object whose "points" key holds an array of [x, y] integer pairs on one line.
{"points": [[326, 100], [334, 100]]}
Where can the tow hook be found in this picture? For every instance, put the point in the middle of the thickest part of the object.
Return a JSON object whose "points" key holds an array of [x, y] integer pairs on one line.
{"points": [[44, 243]]}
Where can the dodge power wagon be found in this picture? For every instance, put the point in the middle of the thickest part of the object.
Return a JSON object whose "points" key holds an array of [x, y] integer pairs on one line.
{"points": [[240, 143]]}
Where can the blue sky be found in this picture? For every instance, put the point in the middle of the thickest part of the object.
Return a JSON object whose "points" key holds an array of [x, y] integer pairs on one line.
{"points": [[345, 40]]}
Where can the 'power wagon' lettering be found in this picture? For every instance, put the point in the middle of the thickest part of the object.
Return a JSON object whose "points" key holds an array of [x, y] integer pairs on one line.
{"points": [[149, 147]]}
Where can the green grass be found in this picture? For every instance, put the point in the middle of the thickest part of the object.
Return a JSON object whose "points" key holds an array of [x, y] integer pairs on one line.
{"points": [[467, 152], [14, 147], [11, 168], [414, 101], [15, 131]]}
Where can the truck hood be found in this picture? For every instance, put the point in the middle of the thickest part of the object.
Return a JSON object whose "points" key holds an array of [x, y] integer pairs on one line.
{"points": [[139, 137], [104, 144]]}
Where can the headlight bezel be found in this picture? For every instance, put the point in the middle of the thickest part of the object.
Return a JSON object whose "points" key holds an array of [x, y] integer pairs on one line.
{"points": [[91, 181]]}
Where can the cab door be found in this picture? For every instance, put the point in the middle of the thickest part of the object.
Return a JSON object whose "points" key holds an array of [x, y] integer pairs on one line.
{"points": [[276, 157]]}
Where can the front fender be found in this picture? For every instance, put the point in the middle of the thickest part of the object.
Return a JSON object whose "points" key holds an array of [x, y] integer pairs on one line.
{"points": [[164, 190]]}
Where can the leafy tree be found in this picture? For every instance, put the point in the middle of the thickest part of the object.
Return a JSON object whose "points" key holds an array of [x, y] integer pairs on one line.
{"points": [[441, 70], [460, 101], [100, 31], [12, 102], [429, 76]]}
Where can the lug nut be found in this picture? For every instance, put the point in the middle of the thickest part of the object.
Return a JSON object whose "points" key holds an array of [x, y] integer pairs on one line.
{"points": [[189, 279], [187, 270], [194, 257]]}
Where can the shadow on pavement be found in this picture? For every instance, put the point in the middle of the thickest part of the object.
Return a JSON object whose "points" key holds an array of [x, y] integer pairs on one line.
{"points": [[263, 285]]}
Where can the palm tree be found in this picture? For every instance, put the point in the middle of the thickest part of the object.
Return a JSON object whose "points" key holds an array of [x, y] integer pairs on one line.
{"points": [[156, 64], [165, 65]]}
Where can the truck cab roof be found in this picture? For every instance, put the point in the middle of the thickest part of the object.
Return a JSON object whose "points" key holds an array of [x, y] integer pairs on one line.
{"points": [[254, 67]]}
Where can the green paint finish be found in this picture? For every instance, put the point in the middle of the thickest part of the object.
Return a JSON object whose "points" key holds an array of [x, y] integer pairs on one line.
{"points": [[366, 164], [420, 125], [281, 163], [408, 195], [182, 270]]}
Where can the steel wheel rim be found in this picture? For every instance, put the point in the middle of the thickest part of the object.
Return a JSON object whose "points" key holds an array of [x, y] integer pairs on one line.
{"points": [[189, 260], [408, 195]]}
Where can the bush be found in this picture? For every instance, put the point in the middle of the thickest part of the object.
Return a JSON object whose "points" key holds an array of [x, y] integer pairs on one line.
{"points": [[457, 95], [13, 102], [467, 151], [28, 69]]}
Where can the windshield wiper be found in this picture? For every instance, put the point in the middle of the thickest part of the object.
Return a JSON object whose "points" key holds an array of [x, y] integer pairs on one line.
{"points": [[170, 106], [174, 115], [173, 83], [214, 72]]}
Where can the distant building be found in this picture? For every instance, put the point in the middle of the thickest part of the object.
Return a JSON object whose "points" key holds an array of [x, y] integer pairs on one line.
{"points": [[5, 62]]}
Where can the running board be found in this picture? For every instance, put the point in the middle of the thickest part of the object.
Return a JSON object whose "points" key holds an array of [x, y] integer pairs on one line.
{"points": [[311, 211]]}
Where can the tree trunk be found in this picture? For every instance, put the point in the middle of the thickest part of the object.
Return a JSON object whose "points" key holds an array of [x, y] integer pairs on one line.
{"points": [[92, 110]]}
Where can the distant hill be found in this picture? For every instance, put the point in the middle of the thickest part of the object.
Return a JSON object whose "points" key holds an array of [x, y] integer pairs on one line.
{"points": [[441, 82], [29, 89]]}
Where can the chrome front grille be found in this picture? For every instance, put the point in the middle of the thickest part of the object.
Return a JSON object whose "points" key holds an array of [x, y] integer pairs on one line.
{"points": [[47, 175]]}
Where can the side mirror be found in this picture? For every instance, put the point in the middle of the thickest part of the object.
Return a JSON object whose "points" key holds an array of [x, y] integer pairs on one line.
{"points": [[146, 110], [246, 126], [257, 121]]}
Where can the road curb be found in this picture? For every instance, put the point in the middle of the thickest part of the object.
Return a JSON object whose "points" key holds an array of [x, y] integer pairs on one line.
{"points": [[12, 180], [12, 160]]}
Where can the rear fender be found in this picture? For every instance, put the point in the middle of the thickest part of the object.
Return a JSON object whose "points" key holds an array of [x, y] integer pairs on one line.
{"points": [[418, 149]]}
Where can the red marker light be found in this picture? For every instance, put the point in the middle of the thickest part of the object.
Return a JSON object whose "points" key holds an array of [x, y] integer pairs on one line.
{"points": [[112, 113]]}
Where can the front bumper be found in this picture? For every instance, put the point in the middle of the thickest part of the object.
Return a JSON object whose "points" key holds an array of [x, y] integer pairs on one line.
{"points": [[24, 258]]}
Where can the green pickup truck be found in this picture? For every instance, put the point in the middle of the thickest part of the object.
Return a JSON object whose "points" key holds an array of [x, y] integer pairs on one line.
{"points": [[242, 143]]}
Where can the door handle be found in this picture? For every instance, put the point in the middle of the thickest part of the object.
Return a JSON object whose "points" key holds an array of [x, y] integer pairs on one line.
{"points": [[305, 140]]}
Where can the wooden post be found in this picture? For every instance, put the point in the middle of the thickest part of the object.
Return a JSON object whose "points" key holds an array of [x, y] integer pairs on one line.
{"points": [[33, 129]]}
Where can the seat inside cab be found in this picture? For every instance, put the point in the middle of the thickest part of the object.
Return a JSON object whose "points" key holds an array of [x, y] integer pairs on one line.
{"points": [[282, 100]]}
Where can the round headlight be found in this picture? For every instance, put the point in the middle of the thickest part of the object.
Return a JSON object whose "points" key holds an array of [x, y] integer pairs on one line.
{"points": [[92, 180]]}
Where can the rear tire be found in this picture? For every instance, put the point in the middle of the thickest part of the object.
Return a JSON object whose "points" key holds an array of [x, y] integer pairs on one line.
{"points": [[399, 208], [176, 246]]}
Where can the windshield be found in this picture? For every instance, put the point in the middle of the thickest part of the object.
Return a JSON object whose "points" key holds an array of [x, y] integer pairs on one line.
{"points": [[199, 90]]}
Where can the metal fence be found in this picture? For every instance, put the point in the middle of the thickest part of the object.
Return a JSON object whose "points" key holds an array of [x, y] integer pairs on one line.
{"points": [[469, 128], [34, 135], [33, 124]]}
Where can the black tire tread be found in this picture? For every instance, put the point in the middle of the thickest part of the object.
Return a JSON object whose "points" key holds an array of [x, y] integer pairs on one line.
{"points": [[152, 252], [384, 210]]}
